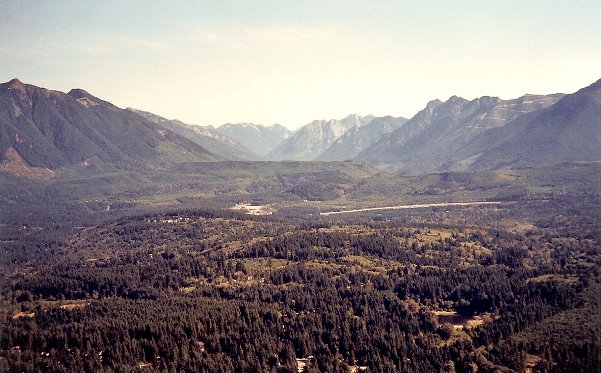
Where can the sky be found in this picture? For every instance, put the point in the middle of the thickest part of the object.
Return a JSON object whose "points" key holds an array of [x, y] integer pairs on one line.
{"points": [[290, 62]]}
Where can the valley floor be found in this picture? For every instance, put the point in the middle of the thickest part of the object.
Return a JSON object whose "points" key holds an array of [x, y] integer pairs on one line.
{"points": [[515, 286], [457, 272]]}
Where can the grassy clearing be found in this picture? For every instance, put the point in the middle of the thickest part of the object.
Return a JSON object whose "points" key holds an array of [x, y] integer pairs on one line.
{"points": [[22, 314], [461, 321], [516, 226], [566, 279], [263, 264], [75, 305]]}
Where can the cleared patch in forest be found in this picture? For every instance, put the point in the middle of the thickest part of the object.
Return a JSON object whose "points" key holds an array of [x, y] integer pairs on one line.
{"points": [[24, 314], [254, 209], [460, 321], [531, 361], [567, 279], [75, 305]]}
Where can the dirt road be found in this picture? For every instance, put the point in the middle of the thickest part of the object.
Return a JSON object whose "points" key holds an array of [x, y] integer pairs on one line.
{"points": [[426, 205]]}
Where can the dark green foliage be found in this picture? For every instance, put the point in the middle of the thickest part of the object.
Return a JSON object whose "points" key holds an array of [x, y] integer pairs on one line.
{"points": [[144, 268], [218, 291]]}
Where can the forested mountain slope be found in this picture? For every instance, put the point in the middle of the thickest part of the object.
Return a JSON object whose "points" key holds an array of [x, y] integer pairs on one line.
{"points": [[207, 137], [51, 129]]}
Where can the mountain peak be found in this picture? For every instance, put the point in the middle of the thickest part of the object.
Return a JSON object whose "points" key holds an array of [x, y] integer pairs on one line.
{"points": [[433, 104], [355, 120], [454, 99], [352, 116], [86, 99], [78, 93], [14, 84]]}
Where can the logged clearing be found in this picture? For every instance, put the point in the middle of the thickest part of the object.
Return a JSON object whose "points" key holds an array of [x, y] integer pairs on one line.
{"points": [[23, 314], [254, 210], [460, 321], [75, 305]]}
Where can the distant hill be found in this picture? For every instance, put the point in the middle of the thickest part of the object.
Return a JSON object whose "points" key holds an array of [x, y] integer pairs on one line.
{"points": [[207, 137], [311, 140], [51, 129], [256, 137], [427, 142], [357, 139]]}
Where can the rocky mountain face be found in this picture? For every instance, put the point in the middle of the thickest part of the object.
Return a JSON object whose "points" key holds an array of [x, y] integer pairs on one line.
{"points": [[311, 140], [40, 128], [208, 137], [437, 133], [359, 138], [256, 137], [567, 131]]}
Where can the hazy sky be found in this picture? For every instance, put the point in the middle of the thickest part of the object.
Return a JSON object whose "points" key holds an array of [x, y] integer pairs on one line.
{"points": [[289, 62]]}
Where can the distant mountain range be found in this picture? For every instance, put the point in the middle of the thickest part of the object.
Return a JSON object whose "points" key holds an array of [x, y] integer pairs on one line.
{"points": [[357, 139], [489, 133], [207, 137], [435, 133], [44, 129], [311, 140], [567, 131], [258, 138], [51, 129]]}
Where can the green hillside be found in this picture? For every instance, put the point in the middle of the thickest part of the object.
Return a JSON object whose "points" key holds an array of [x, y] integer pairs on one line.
{"points": [[51, 129]]}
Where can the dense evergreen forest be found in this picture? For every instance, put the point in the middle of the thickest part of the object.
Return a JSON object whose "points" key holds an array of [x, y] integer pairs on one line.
{"points": [[507, 288]]}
